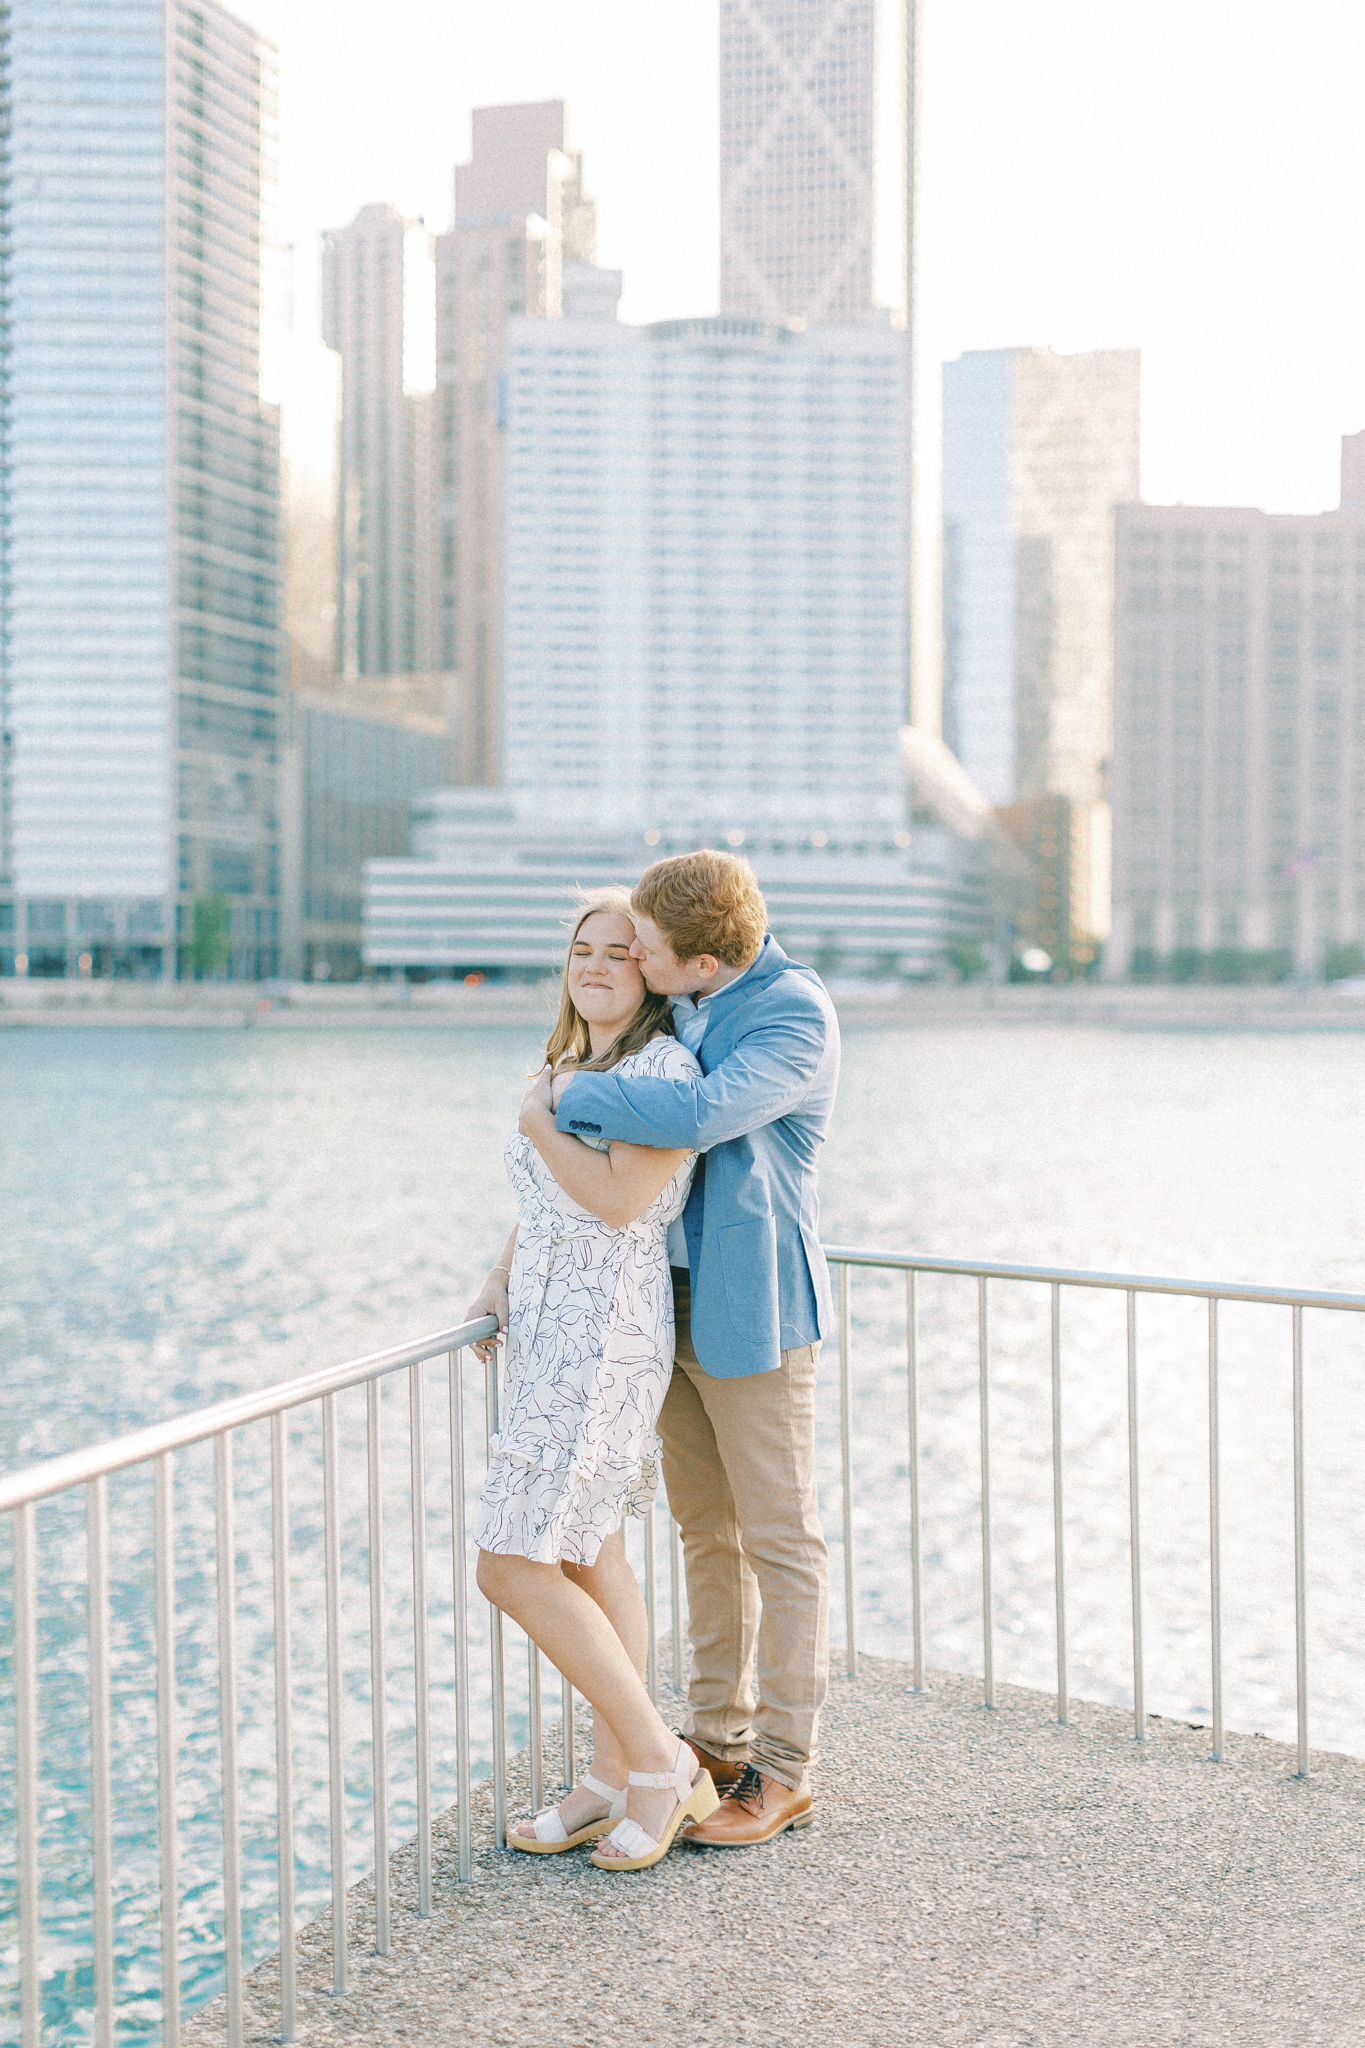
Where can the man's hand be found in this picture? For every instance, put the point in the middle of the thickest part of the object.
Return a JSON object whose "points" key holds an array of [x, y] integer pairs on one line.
{"points": [[491, 1300], [537, 1104]]}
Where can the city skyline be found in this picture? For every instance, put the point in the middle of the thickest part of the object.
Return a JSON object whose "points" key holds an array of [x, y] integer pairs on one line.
{"points": [[1221, 259]]}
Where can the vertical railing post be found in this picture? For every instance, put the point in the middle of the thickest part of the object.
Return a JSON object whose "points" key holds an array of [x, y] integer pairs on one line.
{"points": [[163, 1546], [101, 1789], [984, 1397], [336, 1754], [1300, 1559], [675, 1603], [379, 1715], [1215, 1543], [1134, 1525], [846, 1451], [460, 1583], [421, 1672], [284, 1723], [225, 1540], [1058, 1539], [534, 1738], [570, 1760], [651, 1614], [912, 1401], [499, 1691], [26, 1769]]}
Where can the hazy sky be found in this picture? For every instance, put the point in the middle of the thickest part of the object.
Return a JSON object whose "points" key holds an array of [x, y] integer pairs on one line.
{"points": [[1182, 176]]}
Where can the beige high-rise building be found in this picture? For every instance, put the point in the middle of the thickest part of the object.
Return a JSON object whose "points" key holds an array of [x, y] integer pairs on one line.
{"points": [[797, 200], [521, 215], [378, 315], [1239, 741]]}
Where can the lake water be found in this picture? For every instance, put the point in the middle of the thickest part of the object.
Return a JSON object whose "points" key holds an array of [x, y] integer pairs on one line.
{"points": [[189, 1213]]}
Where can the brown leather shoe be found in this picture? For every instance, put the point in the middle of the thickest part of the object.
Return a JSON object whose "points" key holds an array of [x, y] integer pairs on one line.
{"points": [[753, 1809], [722, 1773]]}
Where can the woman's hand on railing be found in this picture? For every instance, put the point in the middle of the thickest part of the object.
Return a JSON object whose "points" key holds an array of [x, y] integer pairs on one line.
{"points": [[491, 1300]]}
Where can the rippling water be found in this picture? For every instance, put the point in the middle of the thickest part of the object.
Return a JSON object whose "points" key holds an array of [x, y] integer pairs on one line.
{"points": [[188, 1213]]}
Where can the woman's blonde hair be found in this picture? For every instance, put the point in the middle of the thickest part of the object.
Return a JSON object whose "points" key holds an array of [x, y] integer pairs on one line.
{"points": [[569, 1043]]}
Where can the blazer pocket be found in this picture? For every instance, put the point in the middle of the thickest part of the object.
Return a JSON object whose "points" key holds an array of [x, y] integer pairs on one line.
{"points": [[748, 1259]]}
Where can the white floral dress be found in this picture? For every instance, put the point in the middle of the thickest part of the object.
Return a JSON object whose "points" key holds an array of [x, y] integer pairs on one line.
{"points": [[589, 1354]]}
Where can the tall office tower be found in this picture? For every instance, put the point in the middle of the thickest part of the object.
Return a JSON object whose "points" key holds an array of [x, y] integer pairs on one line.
{"points": [[378, 313], [138, 556], [1239, 738], [1037, 451], [704, 583], [521, 214], [797, 204]]}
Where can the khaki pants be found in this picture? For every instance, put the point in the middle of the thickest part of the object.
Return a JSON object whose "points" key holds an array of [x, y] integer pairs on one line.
{"points": [[739, 1465]]}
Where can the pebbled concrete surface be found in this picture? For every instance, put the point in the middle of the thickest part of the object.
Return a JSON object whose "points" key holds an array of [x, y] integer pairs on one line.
{"points": [[975, 1880]]}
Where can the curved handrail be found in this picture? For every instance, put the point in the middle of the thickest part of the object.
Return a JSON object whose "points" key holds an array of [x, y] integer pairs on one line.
{"points": [[1066, 1276], [72, 1468]]}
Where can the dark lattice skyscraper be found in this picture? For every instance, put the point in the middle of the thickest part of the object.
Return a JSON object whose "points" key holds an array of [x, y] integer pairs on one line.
{"points": [[796, 158]]}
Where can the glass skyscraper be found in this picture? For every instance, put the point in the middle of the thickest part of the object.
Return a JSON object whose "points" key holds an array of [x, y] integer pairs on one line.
{"points": [[139, 553]]}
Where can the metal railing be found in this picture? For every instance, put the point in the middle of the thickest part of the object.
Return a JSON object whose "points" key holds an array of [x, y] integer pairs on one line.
{"points": [[1130, 1285], [91, 1469]]}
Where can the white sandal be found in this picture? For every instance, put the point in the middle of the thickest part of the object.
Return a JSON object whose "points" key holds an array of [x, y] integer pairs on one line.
{"points": [[552, 1838], [697, 1800]]}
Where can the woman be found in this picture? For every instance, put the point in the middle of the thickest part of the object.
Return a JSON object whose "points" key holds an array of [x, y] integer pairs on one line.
{"points": [[583, 1292]]}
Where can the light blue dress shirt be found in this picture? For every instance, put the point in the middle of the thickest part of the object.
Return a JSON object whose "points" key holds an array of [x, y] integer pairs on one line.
{"points": [[691, 1015]]}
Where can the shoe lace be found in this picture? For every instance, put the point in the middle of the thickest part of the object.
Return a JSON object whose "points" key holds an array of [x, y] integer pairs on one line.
{"points": [[747, 1789]]}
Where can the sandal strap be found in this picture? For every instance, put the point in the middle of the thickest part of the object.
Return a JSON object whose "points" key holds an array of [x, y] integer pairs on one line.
{"points": [[548, 1827], [678, 1780], [630, 1838], [609, 1792]]}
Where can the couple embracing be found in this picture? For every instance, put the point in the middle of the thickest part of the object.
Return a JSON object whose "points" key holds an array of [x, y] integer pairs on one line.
{"points": [[664, 1281]]}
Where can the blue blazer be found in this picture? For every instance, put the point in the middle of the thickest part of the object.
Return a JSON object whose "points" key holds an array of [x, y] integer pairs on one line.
{"points": [[759, 1113]]}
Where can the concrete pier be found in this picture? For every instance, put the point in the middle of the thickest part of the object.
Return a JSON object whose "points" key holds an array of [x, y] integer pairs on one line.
{"points": [[975, 1879], [443, 1005]]}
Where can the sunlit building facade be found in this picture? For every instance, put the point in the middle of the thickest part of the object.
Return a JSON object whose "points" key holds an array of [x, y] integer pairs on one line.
{"points": [[1239, 739], [1038, 449], [797, 104], [139, 684]]}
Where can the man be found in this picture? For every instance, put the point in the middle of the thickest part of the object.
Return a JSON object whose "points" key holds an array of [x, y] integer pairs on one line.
{"points": [[752, 1303]]}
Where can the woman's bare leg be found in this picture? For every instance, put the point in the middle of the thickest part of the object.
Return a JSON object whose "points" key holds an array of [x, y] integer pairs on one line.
{"points": [[613, 1586], [575, 1633]]}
